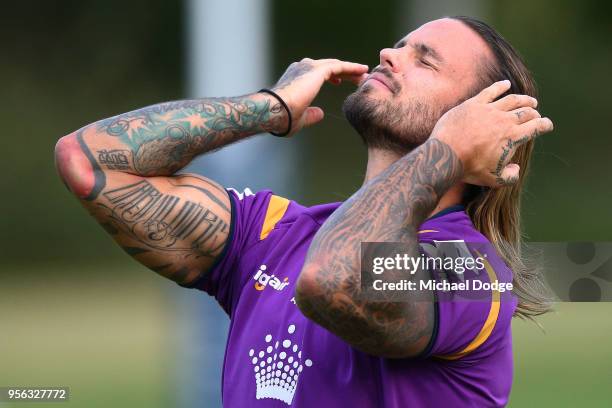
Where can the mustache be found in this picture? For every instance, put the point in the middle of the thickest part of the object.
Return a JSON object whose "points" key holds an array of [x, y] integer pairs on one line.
{"points": [[395, 86]]}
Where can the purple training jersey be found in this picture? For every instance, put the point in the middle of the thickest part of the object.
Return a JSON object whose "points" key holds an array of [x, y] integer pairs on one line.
{"points": [[276, 357]]}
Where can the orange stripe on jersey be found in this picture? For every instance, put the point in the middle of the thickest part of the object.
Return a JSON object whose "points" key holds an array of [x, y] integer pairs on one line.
{"points": [[276, 209], [489, 324], [424, 231]]}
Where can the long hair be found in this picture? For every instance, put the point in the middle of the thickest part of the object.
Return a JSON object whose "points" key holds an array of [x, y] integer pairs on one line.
{"points": [[496, 212]]}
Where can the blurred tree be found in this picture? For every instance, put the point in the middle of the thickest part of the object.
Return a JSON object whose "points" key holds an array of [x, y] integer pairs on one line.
{"points": [[64, 66]]}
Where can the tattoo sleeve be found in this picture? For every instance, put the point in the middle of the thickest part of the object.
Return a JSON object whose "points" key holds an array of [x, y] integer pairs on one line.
{"points": [[161, 139], [123, 170], [389, 208]]}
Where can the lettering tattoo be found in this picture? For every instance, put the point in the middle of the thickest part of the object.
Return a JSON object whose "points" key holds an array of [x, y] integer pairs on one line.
{"points": [[115, 159], [509, 148], [165, 222], [389, 208]]}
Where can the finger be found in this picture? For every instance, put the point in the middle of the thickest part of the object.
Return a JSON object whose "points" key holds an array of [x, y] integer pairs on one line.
{"points": [[509, 175], [490, 93], [345, 68], [311, 115], [326, 61], [355, 79], [511, 102], [522, 115], [532, 129]]}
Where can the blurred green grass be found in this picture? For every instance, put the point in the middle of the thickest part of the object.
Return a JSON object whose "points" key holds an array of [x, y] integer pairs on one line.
{"points": [[101, 330], [106, 332], [567, 365]]}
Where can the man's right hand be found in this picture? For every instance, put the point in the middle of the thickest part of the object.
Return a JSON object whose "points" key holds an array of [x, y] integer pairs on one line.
{"points": [[302, 81], [485, 132]]}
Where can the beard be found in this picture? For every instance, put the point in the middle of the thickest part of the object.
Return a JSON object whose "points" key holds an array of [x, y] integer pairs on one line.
{"points": [[389, 125]]}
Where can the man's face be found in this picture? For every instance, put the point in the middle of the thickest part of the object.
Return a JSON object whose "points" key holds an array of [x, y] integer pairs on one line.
{"points": [[428, 72]]}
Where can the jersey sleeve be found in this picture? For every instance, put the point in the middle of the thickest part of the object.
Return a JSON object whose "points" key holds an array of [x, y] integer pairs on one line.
{"points": [[472, 324], [249, 214]]}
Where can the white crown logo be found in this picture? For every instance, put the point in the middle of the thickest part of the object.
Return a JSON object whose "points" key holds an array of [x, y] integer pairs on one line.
{"points": [[277, 368]]}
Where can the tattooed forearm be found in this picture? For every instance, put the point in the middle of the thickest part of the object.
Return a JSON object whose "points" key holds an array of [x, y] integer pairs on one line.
{"points": [[161, 139], [388, 208]]}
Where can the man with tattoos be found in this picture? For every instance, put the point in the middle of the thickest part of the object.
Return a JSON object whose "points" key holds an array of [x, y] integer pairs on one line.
{"points": [[449, 128]]}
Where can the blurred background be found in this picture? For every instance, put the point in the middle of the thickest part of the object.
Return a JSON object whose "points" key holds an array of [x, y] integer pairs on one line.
{"points": [[76, 311]]}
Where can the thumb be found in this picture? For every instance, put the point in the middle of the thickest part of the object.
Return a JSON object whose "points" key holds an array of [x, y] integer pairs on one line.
{"points": [[509, 175], [311, 115], [490, 93]]}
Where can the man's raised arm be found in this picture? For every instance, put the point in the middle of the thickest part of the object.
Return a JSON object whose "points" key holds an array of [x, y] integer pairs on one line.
{"points": [[122, 169], [473, 143]]}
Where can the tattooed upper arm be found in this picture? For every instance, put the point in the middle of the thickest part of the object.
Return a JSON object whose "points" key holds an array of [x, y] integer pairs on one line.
{"points": [[176, 226]]}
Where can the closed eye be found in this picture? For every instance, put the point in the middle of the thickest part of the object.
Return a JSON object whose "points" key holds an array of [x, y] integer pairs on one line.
{"points": [[426, 63]]}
